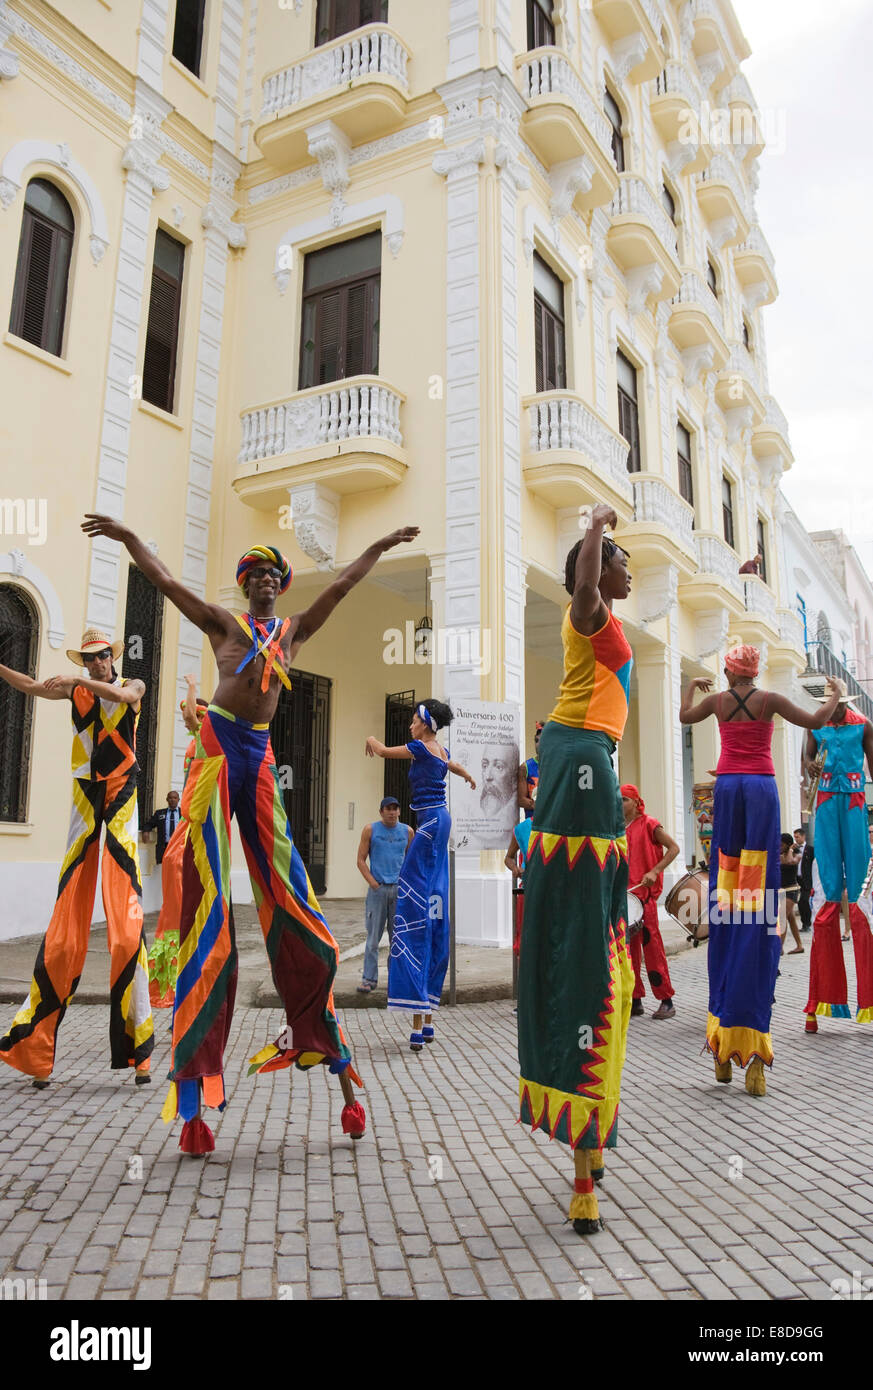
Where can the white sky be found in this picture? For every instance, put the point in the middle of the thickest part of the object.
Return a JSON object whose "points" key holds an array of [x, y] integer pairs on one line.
{"points": [[810, 72]]}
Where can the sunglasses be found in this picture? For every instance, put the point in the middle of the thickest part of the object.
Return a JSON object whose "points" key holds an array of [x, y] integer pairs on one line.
{"points": [[259, 572], [87, 658]]}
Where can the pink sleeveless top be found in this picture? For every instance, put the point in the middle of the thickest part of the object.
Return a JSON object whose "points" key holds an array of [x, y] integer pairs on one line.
{"points": [[745, 744]]}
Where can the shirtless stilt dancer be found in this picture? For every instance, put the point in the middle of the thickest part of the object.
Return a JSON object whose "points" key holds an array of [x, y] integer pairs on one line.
{"points": [[234, 772]]}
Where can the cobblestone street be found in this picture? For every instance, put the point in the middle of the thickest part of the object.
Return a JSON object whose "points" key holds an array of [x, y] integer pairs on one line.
{"points": [[711, 1194]]}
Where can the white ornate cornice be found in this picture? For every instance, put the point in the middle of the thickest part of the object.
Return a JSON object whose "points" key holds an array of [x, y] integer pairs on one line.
{"points": [[141, 164], [679, 154], [213, 219], [696, 361], [627, 54], [332, 148], [641, 281], [567, 179], [511, 167], [460, 159], [722, 231], [711, 630], [658, 592], [315, 518], [739, 421]]}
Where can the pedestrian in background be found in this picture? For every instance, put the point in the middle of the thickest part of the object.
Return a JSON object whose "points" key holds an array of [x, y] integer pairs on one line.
{"points": [[384, 842]]}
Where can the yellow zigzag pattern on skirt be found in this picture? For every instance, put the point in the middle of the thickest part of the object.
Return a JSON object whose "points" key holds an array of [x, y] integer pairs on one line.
{"points": [[600, 1097], [198, 810], [574, 844]]}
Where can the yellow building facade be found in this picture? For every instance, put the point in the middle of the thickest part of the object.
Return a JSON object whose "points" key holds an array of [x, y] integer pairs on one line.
{"points": [[442, 269]]}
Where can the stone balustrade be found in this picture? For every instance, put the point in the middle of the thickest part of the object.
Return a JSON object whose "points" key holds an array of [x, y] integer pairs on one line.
{"points": [[374, 51]]}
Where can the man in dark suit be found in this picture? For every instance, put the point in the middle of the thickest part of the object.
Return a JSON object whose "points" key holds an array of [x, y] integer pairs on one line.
{"points": [[804, 878], [164, 821]]}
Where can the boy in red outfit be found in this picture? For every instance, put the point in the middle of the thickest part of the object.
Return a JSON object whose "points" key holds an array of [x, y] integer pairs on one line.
{"points": [[649, 850]]}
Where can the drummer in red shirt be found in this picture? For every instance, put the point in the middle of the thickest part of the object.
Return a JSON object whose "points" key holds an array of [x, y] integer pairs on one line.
{"points": [[649, 850]]}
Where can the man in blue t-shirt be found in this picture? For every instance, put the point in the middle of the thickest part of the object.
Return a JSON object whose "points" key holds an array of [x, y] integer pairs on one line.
{"points": [[384, 842]]}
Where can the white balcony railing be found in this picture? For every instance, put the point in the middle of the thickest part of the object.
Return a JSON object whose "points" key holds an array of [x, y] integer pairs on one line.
{"points": [[738, 90], [546, 72], [775, 419], [634, 196], [354, 409], [756, 244], [563, 421], [721, 170], [715, 556], [759, 599], [743, 364], [693, 289], [676, 80], [655, 501], [791, 629], [368, 52]]}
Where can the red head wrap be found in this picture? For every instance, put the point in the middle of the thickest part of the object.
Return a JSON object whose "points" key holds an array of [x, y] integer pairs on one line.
{"points": [[632, 793], [743, 660]]}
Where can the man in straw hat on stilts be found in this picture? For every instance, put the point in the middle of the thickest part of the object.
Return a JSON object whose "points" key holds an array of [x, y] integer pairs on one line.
{"points": [[105, 710], [842, 857]]}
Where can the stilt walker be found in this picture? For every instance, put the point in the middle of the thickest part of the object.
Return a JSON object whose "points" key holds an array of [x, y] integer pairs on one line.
{"points": [[744, 870], [105, 710], [234, 772], [575, 979], [842, 856], [164, 955], [419, 954]]}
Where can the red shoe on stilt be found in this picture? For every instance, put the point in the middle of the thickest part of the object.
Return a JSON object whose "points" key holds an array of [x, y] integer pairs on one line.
{"points": [[811, 1023], [354, 1120], [196, 1138]]}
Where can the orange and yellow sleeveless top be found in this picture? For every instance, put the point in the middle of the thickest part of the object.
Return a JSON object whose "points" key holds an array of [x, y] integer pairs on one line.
{"points": [[104, 736], [597, 670]]}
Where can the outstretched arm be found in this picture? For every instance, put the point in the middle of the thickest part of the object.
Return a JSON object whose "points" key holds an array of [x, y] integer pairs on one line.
{"points": [[55, 688], [318, 613], [804, 718], [189, 713], [689, 713], [128, 694], [461, 772], [211, 619], [374, 749]]}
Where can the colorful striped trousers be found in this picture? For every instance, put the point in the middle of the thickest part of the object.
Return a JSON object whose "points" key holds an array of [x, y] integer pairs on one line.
{"points": [[234, 773], [30, 1043]]}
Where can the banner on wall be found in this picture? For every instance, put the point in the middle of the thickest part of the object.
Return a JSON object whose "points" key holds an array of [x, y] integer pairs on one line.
{"points": [[485, 739]]}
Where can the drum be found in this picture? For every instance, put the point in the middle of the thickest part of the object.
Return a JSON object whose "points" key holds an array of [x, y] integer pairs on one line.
{"points": [[634, 915], [702, 801], [688, 904]]}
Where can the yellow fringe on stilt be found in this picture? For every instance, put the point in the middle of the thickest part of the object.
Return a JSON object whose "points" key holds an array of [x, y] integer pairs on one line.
{"points": [[584, 1207], [864, 1016], [755, 1083]]}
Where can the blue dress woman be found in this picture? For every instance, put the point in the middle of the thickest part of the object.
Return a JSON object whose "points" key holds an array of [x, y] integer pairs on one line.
{"points": [[420, 946]]}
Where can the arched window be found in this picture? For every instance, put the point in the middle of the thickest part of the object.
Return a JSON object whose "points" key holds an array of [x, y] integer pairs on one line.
{"points": [[39, 300], [823, 630], [19, 642]]}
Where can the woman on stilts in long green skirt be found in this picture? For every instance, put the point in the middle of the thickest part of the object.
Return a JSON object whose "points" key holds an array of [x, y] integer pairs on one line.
{"points": [[575, 977]]}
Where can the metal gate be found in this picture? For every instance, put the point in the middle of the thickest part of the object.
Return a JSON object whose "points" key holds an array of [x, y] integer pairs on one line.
{"points": [[19, 643], [143, 627], [299, 733], [399, 710]]}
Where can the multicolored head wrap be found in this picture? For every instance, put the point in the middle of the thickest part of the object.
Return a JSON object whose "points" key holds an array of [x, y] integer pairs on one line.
{"points": [[743, 660], [426, 717], [264, 555], [632, 793], [200, 708]]}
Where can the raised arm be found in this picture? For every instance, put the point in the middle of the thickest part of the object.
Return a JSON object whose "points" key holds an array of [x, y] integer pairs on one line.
{"points": [[54, 688], [209, 617], [461, 772], [588, 612], [318, 613], [804, 718], [374, 749], [689, 713], [189, 713]]}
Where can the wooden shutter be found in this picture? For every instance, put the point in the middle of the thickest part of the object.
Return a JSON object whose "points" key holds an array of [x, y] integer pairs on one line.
{"points": [[629, 426], [328, 317], [39, 298], [162, 337], [188, 34], [355, 337], [39, 266], [539, 348]]}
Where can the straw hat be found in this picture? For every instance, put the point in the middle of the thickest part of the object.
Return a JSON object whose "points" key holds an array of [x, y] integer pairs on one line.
{"points": [[845, 697], [93, 640]]}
